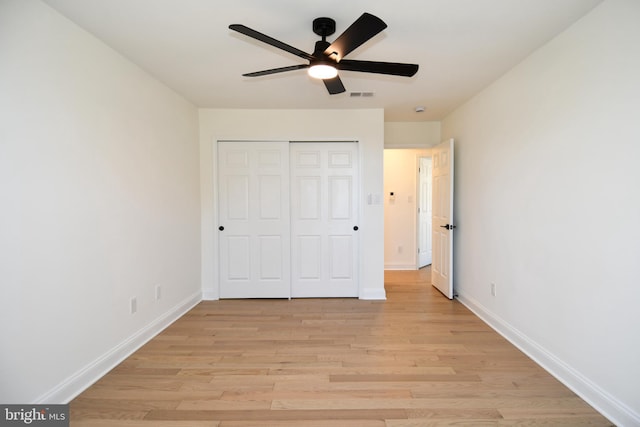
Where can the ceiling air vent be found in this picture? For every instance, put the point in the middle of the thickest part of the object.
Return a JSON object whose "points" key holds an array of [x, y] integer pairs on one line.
{"points": [[361, 94]]}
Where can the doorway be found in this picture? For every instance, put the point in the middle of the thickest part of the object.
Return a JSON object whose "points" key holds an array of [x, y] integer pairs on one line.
{"points": [[407, 207]]}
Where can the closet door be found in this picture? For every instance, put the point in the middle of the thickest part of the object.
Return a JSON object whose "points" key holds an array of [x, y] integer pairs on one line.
{"points": [[324, 219], [254, 221]]}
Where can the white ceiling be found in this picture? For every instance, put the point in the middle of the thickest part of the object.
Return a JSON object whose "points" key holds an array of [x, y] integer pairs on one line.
{"points": [[461, 47]]}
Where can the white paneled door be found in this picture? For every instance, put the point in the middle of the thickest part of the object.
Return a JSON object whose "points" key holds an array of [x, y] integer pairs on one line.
{"points": [[324, 225], [254, 224], [442, 225], [288, 219], [424, 212]]}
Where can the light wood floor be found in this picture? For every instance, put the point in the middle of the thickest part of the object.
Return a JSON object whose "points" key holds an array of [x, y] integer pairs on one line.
{"points": [[416, 359]]}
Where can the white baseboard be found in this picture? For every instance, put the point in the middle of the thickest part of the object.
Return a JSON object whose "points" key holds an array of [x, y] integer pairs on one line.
{"points": [[400, 267], [617, 412], [367, 294], [210, 295], [78, 382], [373, 294]]}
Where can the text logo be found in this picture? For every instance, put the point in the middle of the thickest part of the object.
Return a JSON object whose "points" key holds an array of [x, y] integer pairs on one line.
{"points": [[34, 415]]}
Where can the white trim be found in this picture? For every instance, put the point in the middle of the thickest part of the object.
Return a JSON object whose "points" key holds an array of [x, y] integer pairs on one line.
{"points": [[210, 295], [420, 146], [362, 204], [400, 267], [85, 377], [373, 294], [617, 412]]}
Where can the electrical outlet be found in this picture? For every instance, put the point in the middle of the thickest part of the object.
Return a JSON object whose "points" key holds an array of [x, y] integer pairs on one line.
{"points": [[400, 249], [493, 289], [158, 292], [134, 305]]}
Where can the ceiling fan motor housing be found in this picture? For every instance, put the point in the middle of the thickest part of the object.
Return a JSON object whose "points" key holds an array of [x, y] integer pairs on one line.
{"points": [[321, 46], [324, 26]]}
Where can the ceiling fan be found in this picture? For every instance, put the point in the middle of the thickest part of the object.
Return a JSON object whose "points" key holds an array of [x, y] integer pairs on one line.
{"points": [[327, 58]]}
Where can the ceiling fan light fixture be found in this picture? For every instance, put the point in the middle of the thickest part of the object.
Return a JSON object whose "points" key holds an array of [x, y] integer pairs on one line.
{"points": [[322, 71], [327, 58]]}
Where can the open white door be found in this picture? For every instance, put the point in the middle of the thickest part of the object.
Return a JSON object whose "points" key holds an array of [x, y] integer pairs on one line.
{"points": [[424, 212], [442, 225]]}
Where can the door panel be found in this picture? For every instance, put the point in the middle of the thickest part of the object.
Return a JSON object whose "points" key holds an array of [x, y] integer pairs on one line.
{"points": [[340, 197], [324, 180], [270, 197], [442, 231], [270, 251], [341, 255], [254, 256], [309, 197], [237, 191], [309, 265], [238, 266], [424, 213]]}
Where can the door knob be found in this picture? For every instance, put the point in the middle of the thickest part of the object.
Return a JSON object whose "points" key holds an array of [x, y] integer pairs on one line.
{"points": [[448, 226], [221, 228], [355, 228]]}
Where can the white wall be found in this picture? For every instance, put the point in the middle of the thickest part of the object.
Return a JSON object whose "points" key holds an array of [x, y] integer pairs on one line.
{"points": [[548, 206], [400, 212], [99, 186], [411, 134], [364, 126]]}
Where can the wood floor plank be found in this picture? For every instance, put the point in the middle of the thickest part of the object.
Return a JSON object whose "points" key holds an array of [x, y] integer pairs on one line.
{"points": [[271, 415], [567, 404], [143, 423], [416, 359], [304, 423]]}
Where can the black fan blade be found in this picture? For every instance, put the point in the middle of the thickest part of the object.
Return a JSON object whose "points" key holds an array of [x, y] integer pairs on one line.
{"points": [[359, 32], [276, 70], [393, 68], [269, 40], [334, 85]]}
